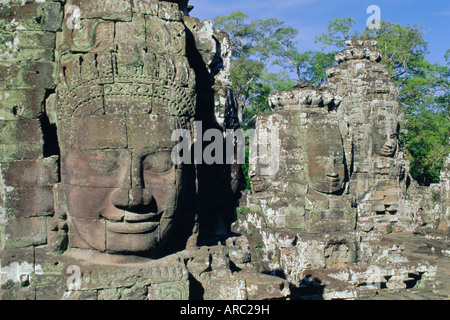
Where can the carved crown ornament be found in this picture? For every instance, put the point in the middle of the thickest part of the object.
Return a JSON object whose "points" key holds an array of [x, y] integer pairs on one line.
{"points": [[91, 80]]}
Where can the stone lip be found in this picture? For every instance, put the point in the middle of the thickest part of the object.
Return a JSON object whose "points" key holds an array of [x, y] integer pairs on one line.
{"points": [[131, 228]]}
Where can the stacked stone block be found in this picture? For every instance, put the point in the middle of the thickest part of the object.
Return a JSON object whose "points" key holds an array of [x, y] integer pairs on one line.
{"points": [[29, 167]]}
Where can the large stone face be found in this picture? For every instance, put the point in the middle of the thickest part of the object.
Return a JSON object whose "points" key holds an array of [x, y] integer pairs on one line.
{"points": [[124, 85], [91, 94], [93, 206]]}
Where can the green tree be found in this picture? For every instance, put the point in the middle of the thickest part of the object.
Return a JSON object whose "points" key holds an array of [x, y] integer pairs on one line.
{"points": [[403, 47], [404, 50], [339, 30], [428, 144], [308, 66], [258, 103], [254, 45]]}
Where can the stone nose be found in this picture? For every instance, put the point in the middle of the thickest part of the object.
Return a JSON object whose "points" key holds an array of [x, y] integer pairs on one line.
{"points": [[330, 170], [389, 143], [139, 197], [133, 198]]}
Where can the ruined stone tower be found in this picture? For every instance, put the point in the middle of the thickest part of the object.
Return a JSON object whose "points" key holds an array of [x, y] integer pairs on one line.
{"points": [[341, 184]]}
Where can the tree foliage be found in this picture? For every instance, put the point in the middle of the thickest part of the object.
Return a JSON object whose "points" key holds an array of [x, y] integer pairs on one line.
{"points": [[257, 44], [428, 144], [254, 45], [258, 103], [339, 30]]}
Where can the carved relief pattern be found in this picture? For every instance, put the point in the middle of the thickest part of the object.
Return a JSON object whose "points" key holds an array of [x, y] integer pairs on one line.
{"points": [[150, 54]]}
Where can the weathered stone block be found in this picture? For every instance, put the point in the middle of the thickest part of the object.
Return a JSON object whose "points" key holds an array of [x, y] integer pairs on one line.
{"points": [[225, 287], [124, 98], [100, 169], [385, 227], [169, 291], [20, 132], [29, 202], [15, 292], [27, 46], [81, 295], [31, 173], [49, 288], [130, 36], [164, 37], [21, 103], [21, 139], [93, 36], [17, 152], [84, 101], [24, 257], [85, 201], [95, 132], [119, 10], [57, 225], [47, 263], [32, 17], [262, 286], [150, 131], [32, 75], [16, 269], [169, 11], [48, 284], [86, 229], [26, 232], [295, 217], [146, 7], [148, 280], [88, 70]]}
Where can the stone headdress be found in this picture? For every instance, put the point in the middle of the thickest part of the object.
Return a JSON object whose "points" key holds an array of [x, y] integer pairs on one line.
{"points": [[137, 66], [304, 97]]}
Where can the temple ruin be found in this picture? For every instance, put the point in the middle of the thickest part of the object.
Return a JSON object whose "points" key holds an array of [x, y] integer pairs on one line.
{"points": [[92, 205]]}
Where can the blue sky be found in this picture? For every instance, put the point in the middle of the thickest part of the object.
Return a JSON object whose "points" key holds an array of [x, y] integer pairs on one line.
{"points": [[311, 17]]}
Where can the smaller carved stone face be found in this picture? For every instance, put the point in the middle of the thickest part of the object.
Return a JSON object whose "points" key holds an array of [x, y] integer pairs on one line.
{"points": [[385, 137], [325, 158]]}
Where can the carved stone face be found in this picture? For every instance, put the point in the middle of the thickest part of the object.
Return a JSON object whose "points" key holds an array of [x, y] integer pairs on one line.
{"points": [[385, 137], [126, 199], [325, 157], [123, 88]]}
